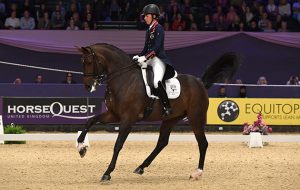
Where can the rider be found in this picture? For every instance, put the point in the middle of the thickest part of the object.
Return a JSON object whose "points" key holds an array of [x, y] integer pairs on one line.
{"points": [[155, 53]]}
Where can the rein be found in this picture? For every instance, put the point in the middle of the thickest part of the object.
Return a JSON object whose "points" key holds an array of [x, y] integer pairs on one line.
{"points": [[104, 78]]}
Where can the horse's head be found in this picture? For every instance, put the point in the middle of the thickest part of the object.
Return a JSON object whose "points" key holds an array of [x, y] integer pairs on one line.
{"points": [[93, 69]]}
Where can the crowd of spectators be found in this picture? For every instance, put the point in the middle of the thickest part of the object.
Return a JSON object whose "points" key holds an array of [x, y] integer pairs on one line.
{"points": [[177, 15]]}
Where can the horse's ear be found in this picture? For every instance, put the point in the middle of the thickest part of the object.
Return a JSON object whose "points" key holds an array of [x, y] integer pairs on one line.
{"points": [[82, 49]]}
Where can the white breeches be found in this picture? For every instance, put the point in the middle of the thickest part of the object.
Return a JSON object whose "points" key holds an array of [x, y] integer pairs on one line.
{"points": [[159, 69]]}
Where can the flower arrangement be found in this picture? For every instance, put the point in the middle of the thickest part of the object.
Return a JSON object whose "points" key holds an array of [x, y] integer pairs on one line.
{"points": [[258, 126]]}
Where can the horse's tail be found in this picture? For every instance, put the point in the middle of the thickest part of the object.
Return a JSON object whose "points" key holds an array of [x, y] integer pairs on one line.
{"points": [[222, 70]]}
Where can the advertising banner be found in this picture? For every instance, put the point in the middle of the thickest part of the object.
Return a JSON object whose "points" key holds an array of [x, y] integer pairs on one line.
{"points": [[38, 110], [237, 111]]}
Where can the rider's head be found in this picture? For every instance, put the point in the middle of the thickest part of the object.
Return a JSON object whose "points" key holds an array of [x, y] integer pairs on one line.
{"points": [[150, 13]]}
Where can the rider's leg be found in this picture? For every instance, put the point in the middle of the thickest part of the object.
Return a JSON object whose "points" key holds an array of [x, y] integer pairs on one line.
{"points": [[159, 70]]}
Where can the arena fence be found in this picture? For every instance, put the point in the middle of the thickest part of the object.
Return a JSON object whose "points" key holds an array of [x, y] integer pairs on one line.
{"points": [[144, 137]]}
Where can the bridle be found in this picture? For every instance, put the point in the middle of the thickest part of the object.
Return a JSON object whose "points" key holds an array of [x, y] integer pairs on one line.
{"points": [[102, 78]]}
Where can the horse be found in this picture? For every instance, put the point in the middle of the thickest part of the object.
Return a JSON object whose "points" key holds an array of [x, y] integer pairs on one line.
{"points": [[126, 99]]}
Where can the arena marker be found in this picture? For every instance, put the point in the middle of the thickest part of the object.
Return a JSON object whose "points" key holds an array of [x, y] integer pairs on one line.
{"points": [[255, 140], [1, 129]]}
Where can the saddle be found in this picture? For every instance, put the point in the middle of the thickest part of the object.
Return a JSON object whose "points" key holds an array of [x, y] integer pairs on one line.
{"points": [[170, 82]]}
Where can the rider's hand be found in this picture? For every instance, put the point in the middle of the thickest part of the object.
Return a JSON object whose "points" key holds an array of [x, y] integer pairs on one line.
{"points": [[135, 58]]}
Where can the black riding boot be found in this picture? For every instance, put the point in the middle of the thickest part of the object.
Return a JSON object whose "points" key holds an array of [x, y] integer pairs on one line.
{"points": [[164, 100]]}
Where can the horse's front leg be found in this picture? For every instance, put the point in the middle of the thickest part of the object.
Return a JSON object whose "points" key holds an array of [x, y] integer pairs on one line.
{"points": [[123, 134], [106, 117]]}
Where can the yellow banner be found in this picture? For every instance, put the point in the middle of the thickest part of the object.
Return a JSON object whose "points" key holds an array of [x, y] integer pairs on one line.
{"points": [[237, 111]]}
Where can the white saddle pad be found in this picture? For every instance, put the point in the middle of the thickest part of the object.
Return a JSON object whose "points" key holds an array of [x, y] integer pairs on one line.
{"points": [[172, 87]]}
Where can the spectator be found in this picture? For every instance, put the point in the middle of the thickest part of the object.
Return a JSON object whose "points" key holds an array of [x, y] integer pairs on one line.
{"points": [[57, 22], [90, 21], [207, 25], [231, 15], [179, 24], [222, 92], [115, 10], [284, 8], [294, 80], [44, 23], [27, 22], [86, 26], [263, 22], [235, 25], [269, 27], [262, 80], [296, 10], [254, 27], [241, 27], [69, 79], [217, 14], [221, 25], [243, 92], [39, 12], [283, 27], [72, 25], [272, 9], [18, 80], [71, 11], [39, 79], [12, 22]]}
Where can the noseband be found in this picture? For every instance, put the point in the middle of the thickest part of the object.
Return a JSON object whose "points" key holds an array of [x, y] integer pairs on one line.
{"points": [[102, 78]]}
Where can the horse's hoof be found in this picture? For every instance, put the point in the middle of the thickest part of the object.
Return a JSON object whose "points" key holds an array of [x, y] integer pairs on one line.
{"points": [[105, 178], [139, 170], [82, 152], [196, 175]]}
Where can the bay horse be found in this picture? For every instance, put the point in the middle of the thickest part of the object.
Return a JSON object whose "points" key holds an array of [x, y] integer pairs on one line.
{"points": [[126, 99]]}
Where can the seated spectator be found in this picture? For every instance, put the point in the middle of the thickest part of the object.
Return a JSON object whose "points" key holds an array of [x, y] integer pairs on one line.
{"points": [[12, 22], [272, 9], [58, 22], [222, 92], [241, 27], [179, 24], [243, 92], [69, 79], [269, 27], [262, 80], [207, 24], [254, 27], [44, 23], [86, 26], [263, 21], [294, 80], [284, 8], [235, 25], [18, 80], [166, 26], [72, 25], [283, 27], [296, 10], [90, 21], [249, 15], [27, 22], [217, 14], [231, 15], [39, 79], [221, 24]]}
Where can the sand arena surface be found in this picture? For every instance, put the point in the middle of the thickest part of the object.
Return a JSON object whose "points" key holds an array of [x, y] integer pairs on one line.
{"points": [[57, 165]]}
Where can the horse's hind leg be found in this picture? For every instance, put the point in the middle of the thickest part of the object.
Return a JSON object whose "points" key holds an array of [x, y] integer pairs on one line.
{"points": [[164, 134], [106, 117], [198, 123]]}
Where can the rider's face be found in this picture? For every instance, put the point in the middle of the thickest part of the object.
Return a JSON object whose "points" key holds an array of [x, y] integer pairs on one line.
{"points": [[148, 19]]}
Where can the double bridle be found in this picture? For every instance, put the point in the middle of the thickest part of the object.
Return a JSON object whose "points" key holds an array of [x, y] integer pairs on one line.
{"points": [[102, 78]]}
